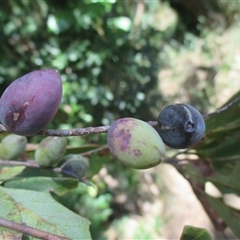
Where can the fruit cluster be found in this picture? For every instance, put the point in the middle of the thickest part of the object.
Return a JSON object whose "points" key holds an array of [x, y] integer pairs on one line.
{"points": [[49, 153], [138, 145], [31, 102]]}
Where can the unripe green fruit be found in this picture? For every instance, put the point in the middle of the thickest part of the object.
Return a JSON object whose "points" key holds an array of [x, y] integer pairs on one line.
{"points": [[135, 143], [50, 151], [75, 166], [12, 147]]}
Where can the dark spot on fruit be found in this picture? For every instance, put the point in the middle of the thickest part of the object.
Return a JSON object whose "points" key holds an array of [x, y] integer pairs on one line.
{"points": [[125, 139], [189, 126], [15, 116], [137, 152]]}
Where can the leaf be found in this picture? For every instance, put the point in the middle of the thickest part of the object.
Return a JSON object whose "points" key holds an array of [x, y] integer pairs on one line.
{"points": [[221, 140], [228, 182], [41, 172], [199, 172], [81, 149], [9, 172], [39, 210], [194, 233], [98, 160], [223, 146], [9, 210], [230, 216], [225, 117], [60, 186]]}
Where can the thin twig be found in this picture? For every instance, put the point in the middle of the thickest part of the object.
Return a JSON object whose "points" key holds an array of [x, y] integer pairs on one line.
{"points": [[23, 228], [30, 163], [34, 164], [221, 109], [75, 131], [89, 153]]}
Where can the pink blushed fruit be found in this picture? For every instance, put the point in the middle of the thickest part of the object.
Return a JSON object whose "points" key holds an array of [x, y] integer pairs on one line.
{"points": [[135, 143]]}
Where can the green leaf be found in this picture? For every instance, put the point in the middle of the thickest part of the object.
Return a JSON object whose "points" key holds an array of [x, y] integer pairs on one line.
{"points": [[228, 182], [60, 186], [225, 117], [98, 160], [41, 172], [230, 216], [221, 140], [81, 149], [194, 233], [9, 210], [9, 172], [39, 210]]}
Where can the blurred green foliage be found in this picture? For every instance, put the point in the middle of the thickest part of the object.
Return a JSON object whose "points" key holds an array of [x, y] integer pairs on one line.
{"points": [[120, 58], [109, 67]]}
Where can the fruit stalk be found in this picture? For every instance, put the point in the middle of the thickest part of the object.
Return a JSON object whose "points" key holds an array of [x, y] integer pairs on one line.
{"points": [[75, 131]]}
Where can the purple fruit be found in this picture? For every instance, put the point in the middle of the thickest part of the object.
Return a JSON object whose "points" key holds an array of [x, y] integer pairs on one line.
{"points": [[30, 102]]}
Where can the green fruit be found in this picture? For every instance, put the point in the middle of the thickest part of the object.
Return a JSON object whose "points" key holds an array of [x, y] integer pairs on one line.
{"points": [[12, 147], [135, 143], [50, 151], [75, 166]]}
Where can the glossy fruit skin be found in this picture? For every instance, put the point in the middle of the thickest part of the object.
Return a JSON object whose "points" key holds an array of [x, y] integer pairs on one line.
{"points": [[12, 147], [29, 103], [50, 151], [180, 126], [135, 143], [75, 166]]}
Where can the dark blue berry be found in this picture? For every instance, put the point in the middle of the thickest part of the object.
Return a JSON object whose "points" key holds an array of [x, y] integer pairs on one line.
{"points": [[180, 126]]}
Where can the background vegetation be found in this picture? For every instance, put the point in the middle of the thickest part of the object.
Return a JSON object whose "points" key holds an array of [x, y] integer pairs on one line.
{"points": [[129, 59]]}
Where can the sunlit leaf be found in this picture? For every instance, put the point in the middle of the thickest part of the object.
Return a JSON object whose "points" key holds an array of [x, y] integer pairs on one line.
{"points": [[195, 233], [9, 172], [39, 210], [60, 186], [230, 216]]}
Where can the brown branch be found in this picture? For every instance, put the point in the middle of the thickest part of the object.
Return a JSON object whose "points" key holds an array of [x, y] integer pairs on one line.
{"points": [[23, 228], [89, 153], [30, 163], [217, 221], [104, 129], [34, 164], [75, 131], [221, 109]]}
